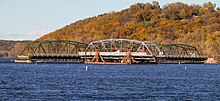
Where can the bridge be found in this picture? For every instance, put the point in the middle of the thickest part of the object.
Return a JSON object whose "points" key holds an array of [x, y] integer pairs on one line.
{"points": [[52, 51], [112, 51], [118, 51], [173, 53]]}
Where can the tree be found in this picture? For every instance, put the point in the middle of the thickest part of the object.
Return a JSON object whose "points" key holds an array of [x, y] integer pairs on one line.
{"points": [[207, 9], [210, 6], [155, 4], [185, 13], [195, 9], [174, 10]]}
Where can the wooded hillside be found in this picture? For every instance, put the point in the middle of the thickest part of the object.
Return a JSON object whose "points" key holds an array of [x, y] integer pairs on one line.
{"points": [[197, 25], [10, 48]]}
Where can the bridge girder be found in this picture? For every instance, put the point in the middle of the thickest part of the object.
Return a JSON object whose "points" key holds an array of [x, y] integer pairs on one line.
{"points": [[179, 49], [123, 45], [56, 47]]}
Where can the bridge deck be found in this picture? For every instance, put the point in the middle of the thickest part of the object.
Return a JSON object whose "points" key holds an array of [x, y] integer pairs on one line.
{"points": [[134, 54], [181, 56], [181, 59]]}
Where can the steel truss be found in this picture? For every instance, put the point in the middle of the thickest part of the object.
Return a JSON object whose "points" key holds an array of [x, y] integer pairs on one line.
{"points": [[123, 45], [179, 50], [121, 51], [55, 47]]}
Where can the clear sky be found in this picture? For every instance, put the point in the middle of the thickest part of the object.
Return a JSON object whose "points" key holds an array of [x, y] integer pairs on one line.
{"points": [[30, 19]]}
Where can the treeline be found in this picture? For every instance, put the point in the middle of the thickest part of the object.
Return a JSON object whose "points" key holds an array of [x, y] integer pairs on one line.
{"points": [[197, 25], [10, 48]]}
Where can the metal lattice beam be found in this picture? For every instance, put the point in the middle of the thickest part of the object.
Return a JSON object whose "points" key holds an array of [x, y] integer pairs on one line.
{"points": [[122, 45], [57, 47], [178, 49]]}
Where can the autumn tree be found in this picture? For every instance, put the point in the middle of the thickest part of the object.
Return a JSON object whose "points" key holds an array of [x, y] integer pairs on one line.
{"points": [[176, 11]]}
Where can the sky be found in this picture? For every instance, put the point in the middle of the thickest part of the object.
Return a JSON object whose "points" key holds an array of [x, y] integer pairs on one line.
{"points": [[30, 19]]}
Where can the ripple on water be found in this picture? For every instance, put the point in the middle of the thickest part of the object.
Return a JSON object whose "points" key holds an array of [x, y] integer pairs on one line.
{"points": [[109, 82]]}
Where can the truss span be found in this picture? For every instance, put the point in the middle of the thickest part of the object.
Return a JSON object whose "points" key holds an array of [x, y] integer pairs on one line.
{"points": [[123, 45], [115, 50], [173, 53], [179, 50], [53, 48]]}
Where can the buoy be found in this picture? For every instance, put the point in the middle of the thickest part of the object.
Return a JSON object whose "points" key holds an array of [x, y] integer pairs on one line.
{"points": [[86, 68], [185, 67], [67, 65]]}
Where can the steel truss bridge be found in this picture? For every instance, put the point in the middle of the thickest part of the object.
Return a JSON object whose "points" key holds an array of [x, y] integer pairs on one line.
{"points": [[110, 50], [54, 51], [172, 53], [115, 50]]}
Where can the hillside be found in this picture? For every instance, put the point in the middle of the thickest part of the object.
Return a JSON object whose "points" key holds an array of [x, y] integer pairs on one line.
{"points": [[197, 25]]}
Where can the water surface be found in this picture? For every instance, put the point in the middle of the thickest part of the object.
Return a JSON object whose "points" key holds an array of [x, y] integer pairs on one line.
{"points": [[109, 82]]}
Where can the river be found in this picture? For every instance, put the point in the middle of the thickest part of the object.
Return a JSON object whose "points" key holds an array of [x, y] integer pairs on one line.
{"points": [[109, 82]]}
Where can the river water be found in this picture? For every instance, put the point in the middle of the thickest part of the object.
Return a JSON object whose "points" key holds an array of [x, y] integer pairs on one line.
{"points": [[109, 82]]}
